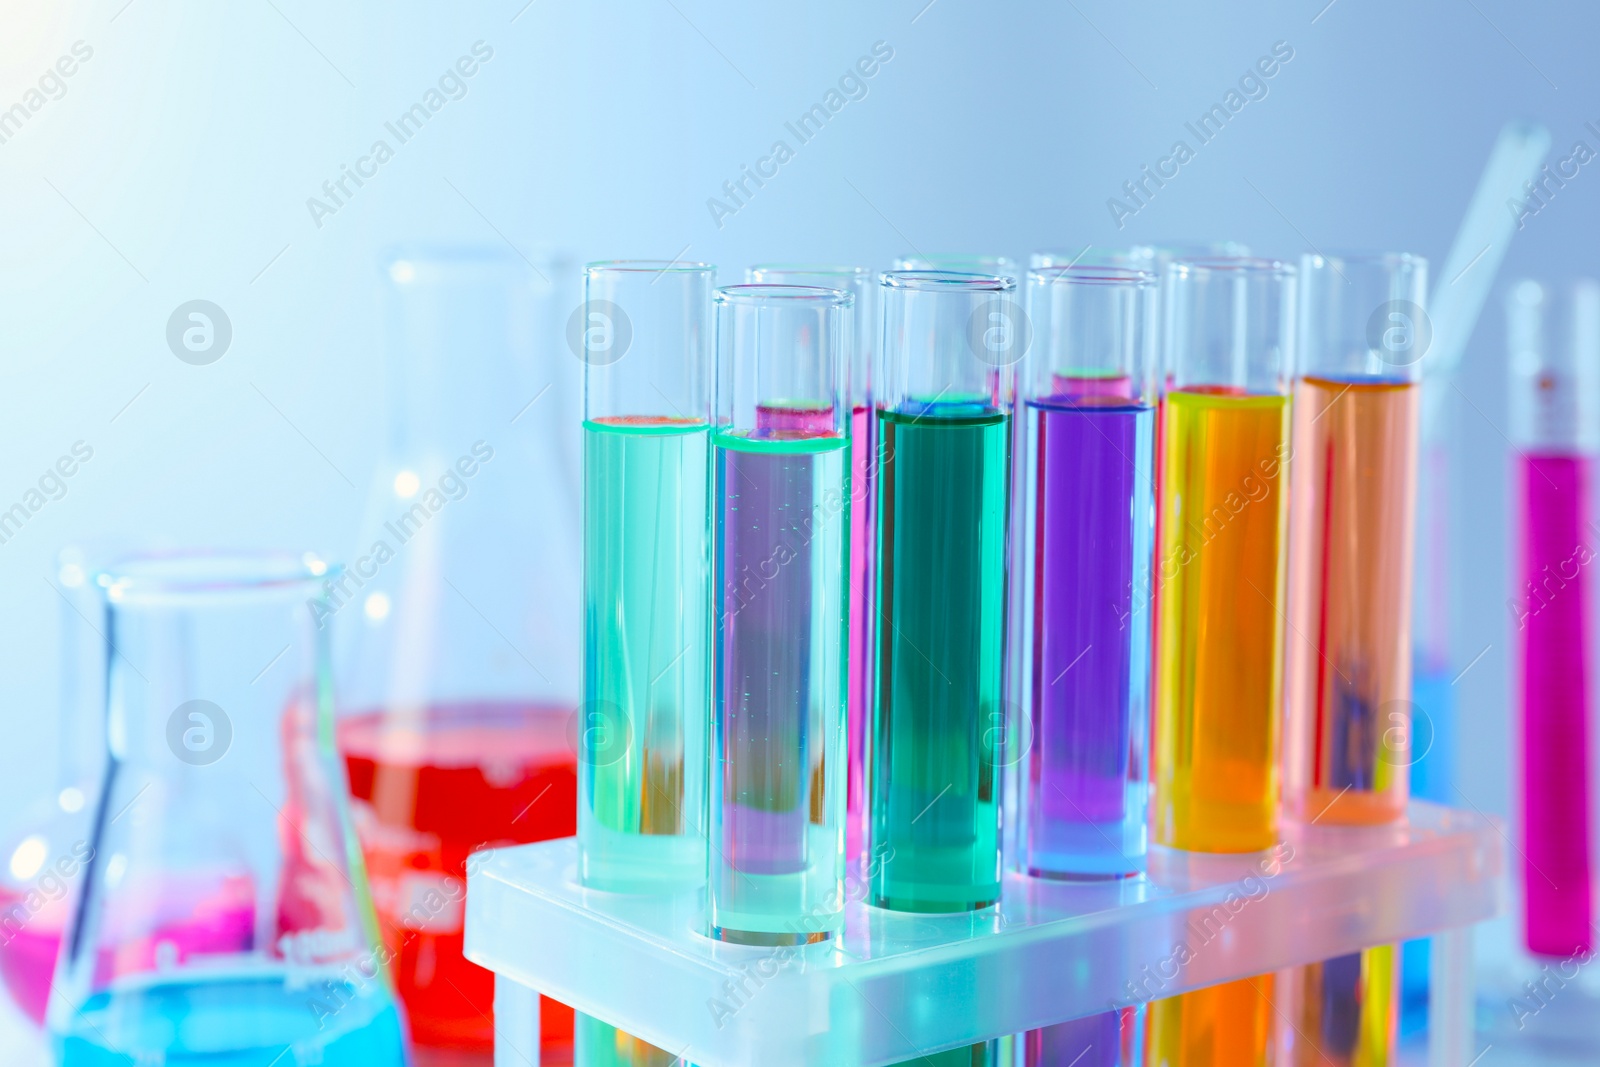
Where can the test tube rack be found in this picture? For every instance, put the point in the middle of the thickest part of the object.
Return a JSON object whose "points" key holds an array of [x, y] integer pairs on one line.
{"points": [[895, 986]]}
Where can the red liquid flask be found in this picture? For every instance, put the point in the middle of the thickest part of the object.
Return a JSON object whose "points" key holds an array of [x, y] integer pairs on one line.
{"points": [[428, 793], [457, 623]]}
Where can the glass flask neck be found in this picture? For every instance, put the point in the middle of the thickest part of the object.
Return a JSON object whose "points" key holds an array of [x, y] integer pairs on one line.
{"points": [[463, 330]]}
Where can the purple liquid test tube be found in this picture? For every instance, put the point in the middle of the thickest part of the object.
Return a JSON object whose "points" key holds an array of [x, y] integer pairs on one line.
{"points": [[781, 478], [1086, 539]]}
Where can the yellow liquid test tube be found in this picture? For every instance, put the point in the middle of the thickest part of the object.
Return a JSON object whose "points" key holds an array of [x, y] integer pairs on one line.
{"points": [[1221, 563]]}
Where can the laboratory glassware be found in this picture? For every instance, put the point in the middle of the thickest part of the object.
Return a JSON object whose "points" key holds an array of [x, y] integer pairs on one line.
{"points": [[860, 356], [1085, 473], [1220, 574], [781, 501], [1149, 257], [1088, 400], [950, 343], [47, 848], [642, 760], [1555, 429], [963, 263], [642, 755], [457, 659], [1348, 660], [1352, 513], [225, 917], [1459, 291]]}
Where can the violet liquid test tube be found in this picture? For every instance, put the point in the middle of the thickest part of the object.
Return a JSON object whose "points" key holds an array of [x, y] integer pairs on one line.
{"points": [[1086, 545], [861, 347], [1555, 409], [781, 463], [1086, 538]]}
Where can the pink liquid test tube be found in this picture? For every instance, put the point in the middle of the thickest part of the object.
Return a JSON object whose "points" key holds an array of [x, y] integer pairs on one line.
{"points": [[1554, 389]]}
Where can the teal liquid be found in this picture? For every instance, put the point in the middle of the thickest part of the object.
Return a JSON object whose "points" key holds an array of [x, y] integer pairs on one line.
{"points": [[642, 726], [942, 494], [776, 873], [237, 1022]]}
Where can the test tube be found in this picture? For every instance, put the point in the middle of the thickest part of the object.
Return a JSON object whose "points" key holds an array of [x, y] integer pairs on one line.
{"points": [[861, 347], [782, 505], [1220, 575], [1086, 533], [1348, 660], [1363, 331], [944, 416], [1555, 428], [642, 728], [1221, 557], [1087, 541]]}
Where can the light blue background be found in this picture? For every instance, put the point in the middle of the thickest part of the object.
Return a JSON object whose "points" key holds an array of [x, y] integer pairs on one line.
{"points": [[186, 148]]}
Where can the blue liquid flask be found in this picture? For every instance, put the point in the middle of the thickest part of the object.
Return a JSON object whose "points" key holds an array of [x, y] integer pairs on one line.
{"points": [[224, 917]]}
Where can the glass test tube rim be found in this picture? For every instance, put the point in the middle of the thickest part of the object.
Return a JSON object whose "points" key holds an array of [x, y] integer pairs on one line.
{"points": [[947, 281], [1148, 252], [755, 293], [647, 266], [200, 575], [1094, 274], [1240, 266], [841, 269], [960, 262]]}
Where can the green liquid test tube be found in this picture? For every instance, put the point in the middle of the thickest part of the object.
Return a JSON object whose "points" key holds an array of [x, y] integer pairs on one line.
{"points": [[949, 343]]}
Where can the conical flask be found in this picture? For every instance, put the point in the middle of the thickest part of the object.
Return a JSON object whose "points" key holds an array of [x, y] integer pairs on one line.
{"points": [[45, 846], [224, 917], [459, 660]]}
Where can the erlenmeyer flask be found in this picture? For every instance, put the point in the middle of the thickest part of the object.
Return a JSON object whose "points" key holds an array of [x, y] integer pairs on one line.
{"points": [[459, 659], [224, 917], [46, 846]]}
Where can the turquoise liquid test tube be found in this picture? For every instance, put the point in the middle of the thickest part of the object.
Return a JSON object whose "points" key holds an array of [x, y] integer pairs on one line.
{"points": [[861, 347], [949, 342], [781, 501], [641, 729]]}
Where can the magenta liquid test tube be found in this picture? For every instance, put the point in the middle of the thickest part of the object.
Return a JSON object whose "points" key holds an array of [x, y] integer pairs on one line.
{"points": [[861, 347], [1554, 385]]}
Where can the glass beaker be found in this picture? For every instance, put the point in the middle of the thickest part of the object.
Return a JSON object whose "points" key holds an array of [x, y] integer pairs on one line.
{"points": [[46, 847], [458, 661], [224, 917]]}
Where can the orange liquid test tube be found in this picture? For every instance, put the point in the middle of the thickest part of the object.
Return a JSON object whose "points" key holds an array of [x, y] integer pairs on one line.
{"points": [[1357, 412]]}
